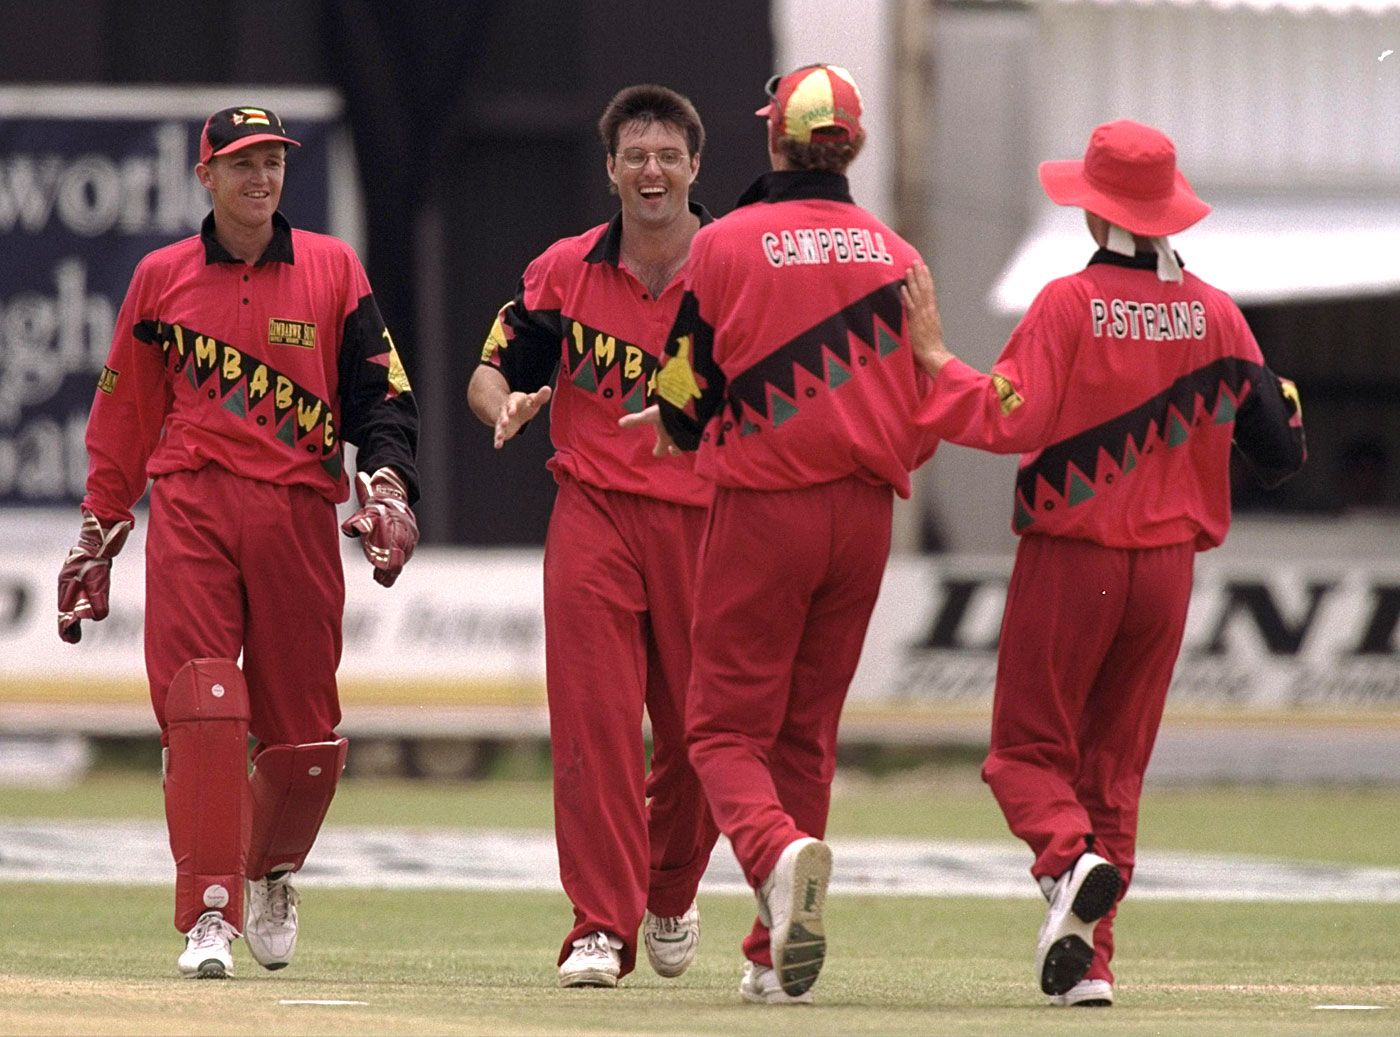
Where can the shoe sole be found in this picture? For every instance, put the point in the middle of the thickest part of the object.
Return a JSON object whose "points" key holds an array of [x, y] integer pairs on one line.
{"points": [[1068, 958], [664, 970], [774, 999], [589, 979], [800, 951], [211, 969]]}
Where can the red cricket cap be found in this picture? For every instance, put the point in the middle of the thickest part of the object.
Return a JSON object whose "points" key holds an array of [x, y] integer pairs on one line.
{"points": [[235, 128], [1129, 177], [814, 98]]}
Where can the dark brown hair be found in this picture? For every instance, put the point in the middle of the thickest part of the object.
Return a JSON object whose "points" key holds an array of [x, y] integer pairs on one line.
{"points": [[826, 153], [647, 103]]}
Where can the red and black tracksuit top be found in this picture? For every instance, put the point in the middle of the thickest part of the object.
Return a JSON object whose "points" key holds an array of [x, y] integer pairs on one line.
{"points": [[579, 311], [772, 399], [264, 370], [1124, 393]]}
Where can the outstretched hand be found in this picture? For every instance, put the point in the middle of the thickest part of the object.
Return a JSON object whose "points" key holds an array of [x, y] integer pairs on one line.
{"points": [[651, 417], [924, 323], [519, 408]]}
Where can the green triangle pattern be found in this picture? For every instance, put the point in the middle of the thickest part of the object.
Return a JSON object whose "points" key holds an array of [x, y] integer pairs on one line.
{"points": [[888, 343], [780, 409], [1129, 457], [1022, 518], [333, 465], [237, 403], [585, 377], [1079, 490], [287, 433], [748, 428], [636, 400], [190, 375], [836, 372], [1224, 408], [1178, 433]]}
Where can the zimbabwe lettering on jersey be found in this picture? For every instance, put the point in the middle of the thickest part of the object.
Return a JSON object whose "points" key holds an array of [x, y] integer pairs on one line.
{"points": [[607, 366], [808, 245], [830, 351], [250, 389], [1153, 321]]}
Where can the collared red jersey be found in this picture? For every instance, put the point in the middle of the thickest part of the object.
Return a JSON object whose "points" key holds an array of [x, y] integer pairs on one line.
{"points": [[789, 364], [263, 370], [1123, 393], [580, 311]]}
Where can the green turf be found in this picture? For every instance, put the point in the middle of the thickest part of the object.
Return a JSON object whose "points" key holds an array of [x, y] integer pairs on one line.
{"points": [[1350, 826], [91, 959]]}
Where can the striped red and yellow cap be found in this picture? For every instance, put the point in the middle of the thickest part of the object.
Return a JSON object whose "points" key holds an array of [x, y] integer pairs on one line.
{"points": [[821, 99]]}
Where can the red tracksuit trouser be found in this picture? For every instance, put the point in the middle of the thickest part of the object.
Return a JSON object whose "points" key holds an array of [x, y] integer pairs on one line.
{"points": [[788, 580], [241, 566], [619, 573], [1088, 643], [237, 565]]}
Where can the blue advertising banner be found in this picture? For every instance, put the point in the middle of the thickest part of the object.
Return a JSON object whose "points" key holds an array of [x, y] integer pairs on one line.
{"points": [[91, 179]]}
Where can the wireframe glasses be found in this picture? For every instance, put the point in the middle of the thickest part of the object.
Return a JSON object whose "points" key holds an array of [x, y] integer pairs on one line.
{"points": [[666, 158]]}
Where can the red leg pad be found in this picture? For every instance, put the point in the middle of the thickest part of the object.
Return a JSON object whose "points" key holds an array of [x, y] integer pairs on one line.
{"points": [[293, 786], [207, 806]]}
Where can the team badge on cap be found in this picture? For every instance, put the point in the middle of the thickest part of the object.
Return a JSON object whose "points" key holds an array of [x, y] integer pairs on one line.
{"points": [[235, 128], [821, 99]]}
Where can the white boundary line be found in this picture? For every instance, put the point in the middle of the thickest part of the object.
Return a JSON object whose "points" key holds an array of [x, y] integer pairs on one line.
{"points": [[136, 853]]}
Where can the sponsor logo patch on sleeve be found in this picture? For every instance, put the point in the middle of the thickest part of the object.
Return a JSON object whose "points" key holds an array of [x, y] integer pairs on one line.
{"points": [[1007, 394], [107, 381], [291, 333]]}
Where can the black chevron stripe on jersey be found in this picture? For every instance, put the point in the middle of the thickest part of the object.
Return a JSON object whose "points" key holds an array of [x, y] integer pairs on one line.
{"points": [[1170, 412], [870, 319]]}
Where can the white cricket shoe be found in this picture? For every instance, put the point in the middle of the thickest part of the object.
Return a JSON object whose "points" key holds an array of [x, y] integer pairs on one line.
{"points": [[1078, 899], [760, 985], [208, 950], [270, 920], [596, 961], [790, 904], [1087, 993], [672, 941]]}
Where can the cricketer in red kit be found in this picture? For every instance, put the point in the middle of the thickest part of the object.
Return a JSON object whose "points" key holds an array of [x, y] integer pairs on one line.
{"points": [[620, 552], [243, 357], [1123, 389], [790, 371]]}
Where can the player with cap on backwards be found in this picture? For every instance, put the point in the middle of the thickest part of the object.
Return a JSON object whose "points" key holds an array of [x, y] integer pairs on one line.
{"points": [[790, 371], [242, 358], [620, 553], [1123, 388]]}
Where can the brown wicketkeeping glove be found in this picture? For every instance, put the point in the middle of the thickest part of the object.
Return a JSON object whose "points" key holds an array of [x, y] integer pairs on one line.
{"points": [[86, 576], [385, 524]]}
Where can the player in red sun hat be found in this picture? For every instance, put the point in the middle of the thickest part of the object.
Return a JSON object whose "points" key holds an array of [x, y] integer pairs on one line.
{"points": [[1123, 388]]}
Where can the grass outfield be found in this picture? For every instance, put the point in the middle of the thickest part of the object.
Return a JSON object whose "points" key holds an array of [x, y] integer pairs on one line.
{"points": [[89, 959]]}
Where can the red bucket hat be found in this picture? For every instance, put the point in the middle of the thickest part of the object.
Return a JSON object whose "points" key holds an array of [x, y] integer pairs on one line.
{"points": [[813, 98], [235, 128], [1129, 177]]}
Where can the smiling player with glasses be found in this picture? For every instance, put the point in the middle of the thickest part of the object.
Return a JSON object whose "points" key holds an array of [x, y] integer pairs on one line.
{"points": [[621, 550], [666, 158]]}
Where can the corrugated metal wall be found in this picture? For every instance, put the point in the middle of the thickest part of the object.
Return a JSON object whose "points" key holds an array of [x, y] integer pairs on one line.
{"points": [[1261, 99]]}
